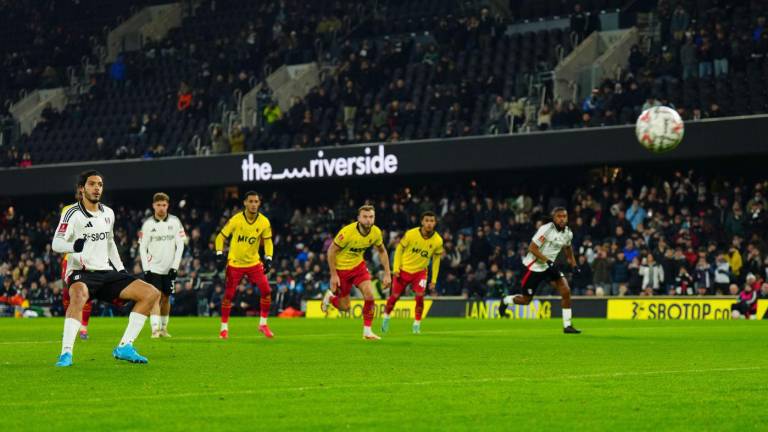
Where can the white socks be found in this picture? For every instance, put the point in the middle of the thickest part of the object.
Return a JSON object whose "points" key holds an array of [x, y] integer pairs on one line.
{"points": [[164, 321], [417, 322], [154, 322], [135, 324], [385, 316], [510, 299], [367, 331], [224, 326], [566, 317], [262, 321], [71, 326]]}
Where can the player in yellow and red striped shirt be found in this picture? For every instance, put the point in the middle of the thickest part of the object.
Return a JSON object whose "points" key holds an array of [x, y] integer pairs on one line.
{"points": [[416, 249]]}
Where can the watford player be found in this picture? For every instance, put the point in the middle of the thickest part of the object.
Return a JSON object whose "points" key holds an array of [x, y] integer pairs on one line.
{"points": [[245, 232], [345, 260], [417, 247], [65, 292]]}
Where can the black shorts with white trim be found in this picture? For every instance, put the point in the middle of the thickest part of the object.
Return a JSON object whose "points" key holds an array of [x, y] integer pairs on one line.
{"points": [[533, 279], [103, 285]]}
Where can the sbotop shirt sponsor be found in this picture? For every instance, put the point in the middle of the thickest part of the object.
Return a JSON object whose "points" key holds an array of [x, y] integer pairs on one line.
{"points": [[99, 251]]}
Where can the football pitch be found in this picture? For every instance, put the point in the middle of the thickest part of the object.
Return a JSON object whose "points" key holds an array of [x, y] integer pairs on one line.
{"points": [[458, 374]]}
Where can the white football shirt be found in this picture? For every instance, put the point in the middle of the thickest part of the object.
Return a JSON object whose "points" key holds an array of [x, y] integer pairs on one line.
{"points": [[99, 251], [550, 242]]}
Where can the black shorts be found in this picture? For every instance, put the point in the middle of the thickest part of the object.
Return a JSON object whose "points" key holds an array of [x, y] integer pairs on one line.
{"points": [[102, 285], [533, 279], [163, 283]]}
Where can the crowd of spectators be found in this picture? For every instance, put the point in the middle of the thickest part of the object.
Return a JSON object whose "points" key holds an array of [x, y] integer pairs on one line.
{"points": [[404, 72], [682, 235]]}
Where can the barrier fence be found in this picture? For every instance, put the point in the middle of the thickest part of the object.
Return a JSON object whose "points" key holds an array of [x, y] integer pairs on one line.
{"points": [[624, 308]]}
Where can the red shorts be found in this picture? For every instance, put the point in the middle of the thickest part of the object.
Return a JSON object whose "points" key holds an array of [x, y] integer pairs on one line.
{"points": [[352, 277], [255, 276], [417, 281]]}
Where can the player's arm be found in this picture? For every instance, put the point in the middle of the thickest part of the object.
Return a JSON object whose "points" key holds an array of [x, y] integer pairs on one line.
{"points": [[221, 238], [399, 251], [269, 248], [114, 255], [144, 246], [64, 240], [533, 248], [384, 258], [332, 251], [436, 258], [568, 249]]}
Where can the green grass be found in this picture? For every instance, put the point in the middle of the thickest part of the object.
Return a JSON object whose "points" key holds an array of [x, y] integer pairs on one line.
{"points": [[457, 375]]}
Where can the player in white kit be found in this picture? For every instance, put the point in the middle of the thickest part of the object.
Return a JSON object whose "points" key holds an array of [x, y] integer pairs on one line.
{"points": [[161, 245], [549, 240], [95, 270]]}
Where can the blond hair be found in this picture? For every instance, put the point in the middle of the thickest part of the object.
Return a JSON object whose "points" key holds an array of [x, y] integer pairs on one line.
{"points": [[366, 207]]}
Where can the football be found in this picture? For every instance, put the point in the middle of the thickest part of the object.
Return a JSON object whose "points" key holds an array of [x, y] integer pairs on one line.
{"points": [[659, 129]]}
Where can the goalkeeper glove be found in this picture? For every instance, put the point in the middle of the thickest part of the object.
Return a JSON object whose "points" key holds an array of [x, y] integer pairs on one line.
{"points": [[221, 261], [267, 264], [79, 245], [172, 273]]}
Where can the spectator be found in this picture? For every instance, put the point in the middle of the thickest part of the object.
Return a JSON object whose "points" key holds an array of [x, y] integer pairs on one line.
{"points": [[620, 275], [582, 280], [184, 100], [705, 58], [683, 282], [236, 139], [219, 143], [579, 23], [703, 277], [720, 54], [746, 307], [680, 22], [117, 70], [652, 274], [689, 59]]}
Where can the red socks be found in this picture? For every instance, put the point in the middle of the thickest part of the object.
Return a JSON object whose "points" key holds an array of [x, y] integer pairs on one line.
{"points": [[335, 301], [419, 307], [264, 303], [391, 304], [87, 313], [226, 308], [368, 313]]}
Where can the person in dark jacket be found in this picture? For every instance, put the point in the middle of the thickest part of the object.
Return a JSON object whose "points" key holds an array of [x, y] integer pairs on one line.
{"points": [[582, 279], [619, 274]]}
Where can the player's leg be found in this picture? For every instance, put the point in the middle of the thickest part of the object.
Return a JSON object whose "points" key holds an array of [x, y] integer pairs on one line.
{"points": [[154, 315], [166, 289], [145, 297], [256, 276], [398, 286], [419, 286], [528, 284], [154, 320], [340, 298], [77, 297], [232, 277], [333, 295], [87, 309], [565, 293], [368, 305], [165, 313]]}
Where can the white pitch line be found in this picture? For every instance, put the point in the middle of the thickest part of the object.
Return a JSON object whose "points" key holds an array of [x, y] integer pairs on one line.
{"points": [[352, 334], [390, 384]]}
